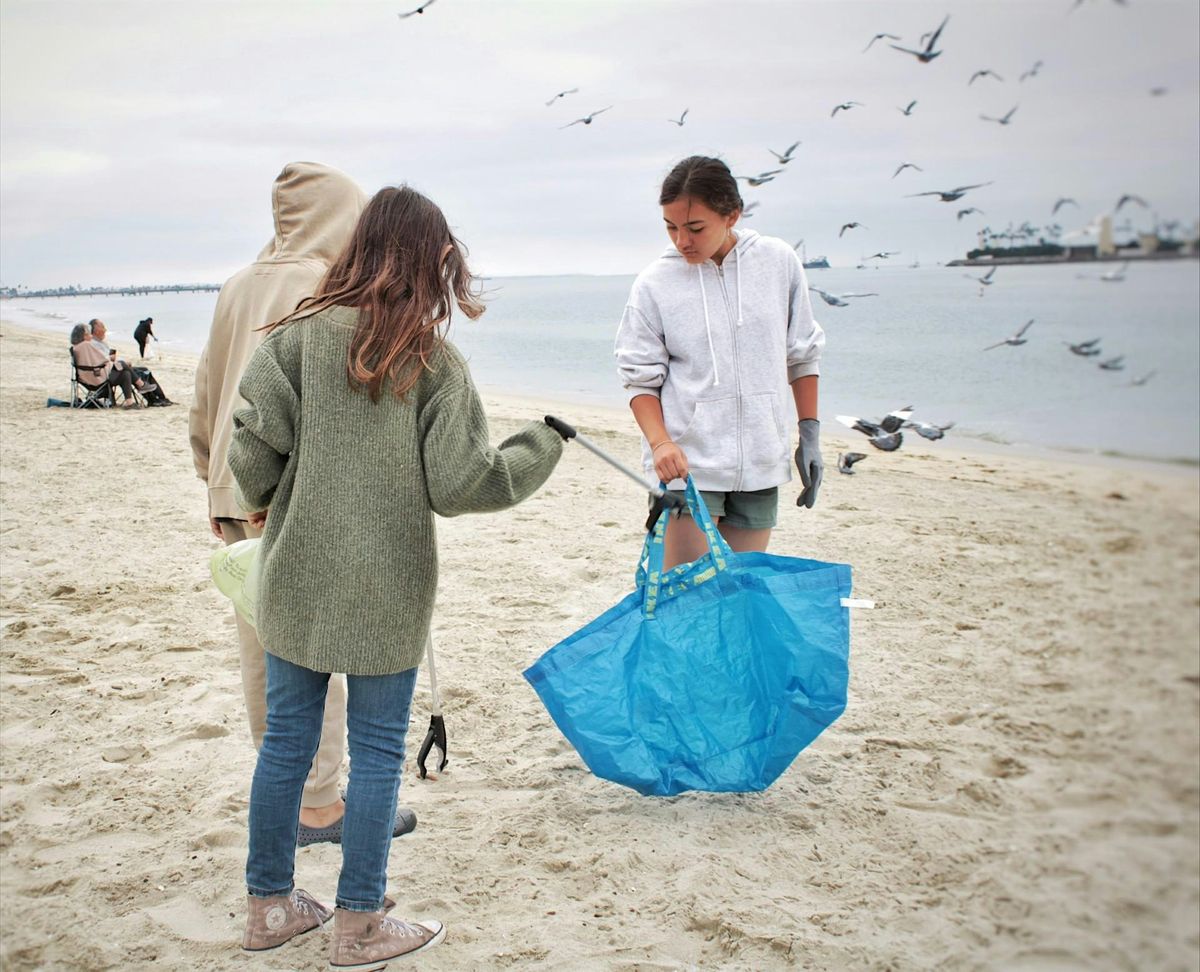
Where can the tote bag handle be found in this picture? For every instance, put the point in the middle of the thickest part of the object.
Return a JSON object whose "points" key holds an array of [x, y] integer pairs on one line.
{"points": [[656, 587]]}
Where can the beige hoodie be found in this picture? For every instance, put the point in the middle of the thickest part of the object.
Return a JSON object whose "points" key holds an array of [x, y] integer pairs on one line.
{"points": [[316, 208]]}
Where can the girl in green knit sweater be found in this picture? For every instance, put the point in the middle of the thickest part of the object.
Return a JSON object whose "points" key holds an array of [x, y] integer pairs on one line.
{"points": [[361, 422]]}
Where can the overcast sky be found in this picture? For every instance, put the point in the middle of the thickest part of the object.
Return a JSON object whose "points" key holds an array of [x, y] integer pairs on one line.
{"points": [[138, 141]]}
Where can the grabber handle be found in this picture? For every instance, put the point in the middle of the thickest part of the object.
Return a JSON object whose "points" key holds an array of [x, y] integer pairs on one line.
{"points": [[561, 427], [568, 432]]}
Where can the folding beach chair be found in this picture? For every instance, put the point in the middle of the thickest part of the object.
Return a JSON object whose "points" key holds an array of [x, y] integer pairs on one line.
{"points": [[90, 387], [85, 394]]}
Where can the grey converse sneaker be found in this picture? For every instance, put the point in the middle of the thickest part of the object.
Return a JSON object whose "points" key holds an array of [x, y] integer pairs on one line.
{"points": [[369, 939], [272, 921]]}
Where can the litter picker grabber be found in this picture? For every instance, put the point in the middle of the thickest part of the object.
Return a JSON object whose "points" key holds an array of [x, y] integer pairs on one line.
{"points": [[435, 737], [662, 499]]}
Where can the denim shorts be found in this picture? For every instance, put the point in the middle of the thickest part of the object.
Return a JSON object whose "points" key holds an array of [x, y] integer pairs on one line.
{"points": [[750, 510]]}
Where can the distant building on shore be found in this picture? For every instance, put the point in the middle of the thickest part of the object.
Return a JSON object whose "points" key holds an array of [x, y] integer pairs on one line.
{"points": [[1096, 241]]}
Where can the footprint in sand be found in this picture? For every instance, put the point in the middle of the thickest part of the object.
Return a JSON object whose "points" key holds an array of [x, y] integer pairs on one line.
{"points": [[224, 837], [209, 731], [189, 919], [1005, 767], [125, 754]]}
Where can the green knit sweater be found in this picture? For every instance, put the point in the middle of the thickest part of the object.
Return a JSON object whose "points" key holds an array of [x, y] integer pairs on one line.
{"points": [[349, 553]]}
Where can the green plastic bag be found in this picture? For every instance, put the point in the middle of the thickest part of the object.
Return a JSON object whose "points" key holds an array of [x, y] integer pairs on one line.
{"points": [[235, 572]]}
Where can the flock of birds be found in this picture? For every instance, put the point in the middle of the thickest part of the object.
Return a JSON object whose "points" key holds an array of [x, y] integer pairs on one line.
{"points": [[925, 50], [887, 434]]}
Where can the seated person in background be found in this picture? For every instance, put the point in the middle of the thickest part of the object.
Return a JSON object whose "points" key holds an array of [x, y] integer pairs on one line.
{"points": [[141, 378], [143, 333], [94, 367]]}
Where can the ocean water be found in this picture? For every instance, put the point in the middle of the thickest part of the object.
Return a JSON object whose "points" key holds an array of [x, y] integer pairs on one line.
{"points": [[919, 342]]}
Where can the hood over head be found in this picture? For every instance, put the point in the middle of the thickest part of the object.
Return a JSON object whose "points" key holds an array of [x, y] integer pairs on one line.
{"points": [[316, 208]]}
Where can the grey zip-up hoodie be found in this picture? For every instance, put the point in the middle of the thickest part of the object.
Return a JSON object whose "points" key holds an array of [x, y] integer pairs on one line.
{"points": [[718, 346]]}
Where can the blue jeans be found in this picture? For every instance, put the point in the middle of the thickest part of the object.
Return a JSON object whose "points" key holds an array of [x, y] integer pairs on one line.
{"points": [[377, 709]]}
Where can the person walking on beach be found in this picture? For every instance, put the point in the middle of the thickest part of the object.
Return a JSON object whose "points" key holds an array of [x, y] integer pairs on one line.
{"points": [[143, 333], [315, 208], [717, 335], [361, 422]]}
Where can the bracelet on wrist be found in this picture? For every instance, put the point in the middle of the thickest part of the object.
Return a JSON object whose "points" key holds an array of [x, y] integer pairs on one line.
{"points": [[654, 448]]}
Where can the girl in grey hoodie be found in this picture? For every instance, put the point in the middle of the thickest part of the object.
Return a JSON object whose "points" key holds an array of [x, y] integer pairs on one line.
{"points": [[717, 337]]}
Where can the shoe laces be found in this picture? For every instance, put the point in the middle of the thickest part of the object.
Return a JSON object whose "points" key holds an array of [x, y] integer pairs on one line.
{"points": [[403, 929]]}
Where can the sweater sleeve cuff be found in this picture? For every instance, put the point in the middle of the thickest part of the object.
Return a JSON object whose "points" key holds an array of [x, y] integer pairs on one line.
{"points": [[803, 369]]}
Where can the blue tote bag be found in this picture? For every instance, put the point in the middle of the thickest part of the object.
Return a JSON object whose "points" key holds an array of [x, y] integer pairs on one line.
{"points": [[711, 676]]}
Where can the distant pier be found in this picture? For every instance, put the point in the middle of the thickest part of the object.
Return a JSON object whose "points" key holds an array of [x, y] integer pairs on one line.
{"points": [[131, 291]]}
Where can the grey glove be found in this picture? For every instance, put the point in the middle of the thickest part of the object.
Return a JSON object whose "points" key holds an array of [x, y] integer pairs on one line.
{"points": [[808, 461]]}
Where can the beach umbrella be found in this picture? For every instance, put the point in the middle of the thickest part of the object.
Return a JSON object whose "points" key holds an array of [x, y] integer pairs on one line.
{"points": [[713, 675]]}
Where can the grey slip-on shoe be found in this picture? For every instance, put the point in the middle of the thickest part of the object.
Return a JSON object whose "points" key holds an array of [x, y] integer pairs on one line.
{"points": [[406, 823]]}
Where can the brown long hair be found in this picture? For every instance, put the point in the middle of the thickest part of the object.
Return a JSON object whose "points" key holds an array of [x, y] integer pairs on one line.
{"points": [[404, 271]]}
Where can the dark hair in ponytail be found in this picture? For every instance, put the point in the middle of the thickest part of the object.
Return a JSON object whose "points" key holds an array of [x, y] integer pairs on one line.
{"points": [[705, 179]]}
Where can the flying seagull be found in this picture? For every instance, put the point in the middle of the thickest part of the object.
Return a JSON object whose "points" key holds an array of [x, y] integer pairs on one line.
{"points": [[884, 435], [1062, 202], [926, 54], [586, 119], [1003, 119], [906, 165], [949, 195], [907, 109], [1114, 364], [679, 121], [837, 300], [969, 210], [1085, 349], [847, 226], [1014, 340], [786, 157], [846, 461], [845, 106], [1145, 378], [929, 431], [1129, 197], [986, 279], [879, 37], [748, 211], [985, 73], [420, 10], [1033, 71], [883, 255], [762, 178], [562, 94]]}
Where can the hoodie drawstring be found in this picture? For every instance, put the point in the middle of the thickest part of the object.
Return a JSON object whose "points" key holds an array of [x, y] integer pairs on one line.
{"points": [[739, 286], [708, 326]]}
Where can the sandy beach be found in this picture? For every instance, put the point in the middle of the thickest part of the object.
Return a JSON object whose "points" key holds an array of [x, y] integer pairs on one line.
{"points": [[1013, 785]]}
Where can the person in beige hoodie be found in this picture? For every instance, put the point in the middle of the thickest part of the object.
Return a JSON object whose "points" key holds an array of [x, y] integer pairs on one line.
{"points": [[316, 208]]}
